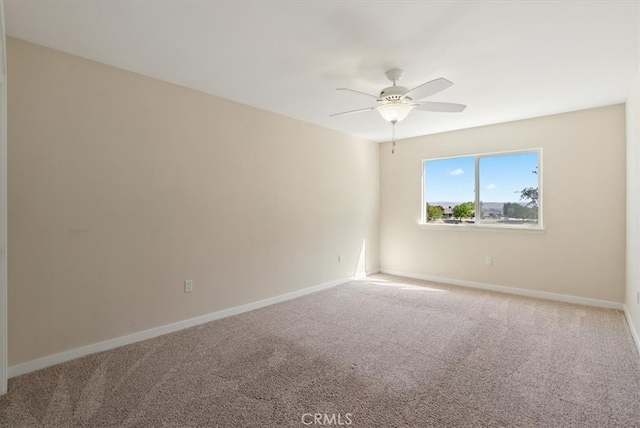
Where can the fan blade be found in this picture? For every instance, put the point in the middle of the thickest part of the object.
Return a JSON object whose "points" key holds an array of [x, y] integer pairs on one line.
{"points": [[354, 92], [428, 89], [353, 111], [441, 107]]}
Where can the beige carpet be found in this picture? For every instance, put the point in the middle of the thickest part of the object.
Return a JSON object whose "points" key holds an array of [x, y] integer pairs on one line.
{"points": [[381, 352]]}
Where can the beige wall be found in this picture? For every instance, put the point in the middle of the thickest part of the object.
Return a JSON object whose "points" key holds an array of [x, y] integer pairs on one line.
{"points": [[633, 198], [581, 253], [122, 186]]}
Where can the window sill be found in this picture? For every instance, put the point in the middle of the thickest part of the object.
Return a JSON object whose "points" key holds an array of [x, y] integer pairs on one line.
{"points": [[481, 228]]}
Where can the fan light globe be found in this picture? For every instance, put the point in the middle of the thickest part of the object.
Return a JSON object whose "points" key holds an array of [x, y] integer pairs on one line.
{"points": [[394, 112]]}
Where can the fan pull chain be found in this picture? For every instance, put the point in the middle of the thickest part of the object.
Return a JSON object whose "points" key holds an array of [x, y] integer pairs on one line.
{"points": [[393, 137]]}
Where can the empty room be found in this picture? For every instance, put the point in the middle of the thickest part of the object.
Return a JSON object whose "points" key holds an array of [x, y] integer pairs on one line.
{"points": [[319, 213]]}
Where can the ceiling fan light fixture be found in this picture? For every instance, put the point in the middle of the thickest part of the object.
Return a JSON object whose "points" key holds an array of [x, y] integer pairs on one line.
{"points": [[394, 112]]}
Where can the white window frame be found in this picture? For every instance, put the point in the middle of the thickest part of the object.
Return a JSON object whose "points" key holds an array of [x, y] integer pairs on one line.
{"points": [[478, 223]]}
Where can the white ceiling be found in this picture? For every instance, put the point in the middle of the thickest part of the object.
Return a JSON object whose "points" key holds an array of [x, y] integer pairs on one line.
{"points": [[508, 60]]}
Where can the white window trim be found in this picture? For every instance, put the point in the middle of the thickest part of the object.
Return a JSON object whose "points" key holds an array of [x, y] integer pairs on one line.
{"points": [[539, 228]]}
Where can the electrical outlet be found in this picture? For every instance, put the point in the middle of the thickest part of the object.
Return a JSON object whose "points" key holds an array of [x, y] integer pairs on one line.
{"points": [[188, 286], [488, 261]]}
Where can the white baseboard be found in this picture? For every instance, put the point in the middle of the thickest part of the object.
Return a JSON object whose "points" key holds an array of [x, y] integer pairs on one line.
{"points": [[634, 332], [72, 354], [511, 290]]}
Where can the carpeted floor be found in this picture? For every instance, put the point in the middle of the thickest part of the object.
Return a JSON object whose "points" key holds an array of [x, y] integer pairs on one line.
{"points": [[380, 352]]}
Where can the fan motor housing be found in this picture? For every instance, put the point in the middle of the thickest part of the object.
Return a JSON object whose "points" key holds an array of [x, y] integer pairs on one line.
{"points": [[393, 93]]}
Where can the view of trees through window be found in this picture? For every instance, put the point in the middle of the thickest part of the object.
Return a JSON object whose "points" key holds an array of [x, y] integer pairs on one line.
{"points": [[503, 191]]}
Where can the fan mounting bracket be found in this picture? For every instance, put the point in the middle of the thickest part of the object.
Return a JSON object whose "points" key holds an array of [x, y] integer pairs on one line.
{"points": [[394, 75]]}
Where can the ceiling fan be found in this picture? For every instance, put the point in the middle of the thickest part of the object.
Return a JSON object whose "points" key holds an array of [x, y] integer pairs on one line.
{"points": [[396, 102]]}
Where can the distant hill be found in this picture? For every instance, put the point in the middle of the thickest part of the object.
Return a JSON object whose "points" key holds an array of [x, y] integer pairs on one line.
{"points": [[496, 207]]}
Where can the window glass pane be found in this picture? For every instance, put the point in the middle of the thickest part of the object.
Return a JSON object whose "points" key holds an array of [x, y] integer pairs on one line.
{"points": [[508, 189], [449, 190]]}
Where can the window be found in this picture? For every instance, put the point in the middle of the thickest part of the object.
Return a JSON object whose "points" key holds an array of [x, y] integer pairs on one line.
{"points": [[501, 190]]}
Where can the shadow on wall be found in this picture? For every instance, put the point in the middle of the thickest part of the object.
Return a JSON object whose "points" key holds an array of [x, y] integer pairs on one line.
{"points": [[361, 268]]}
